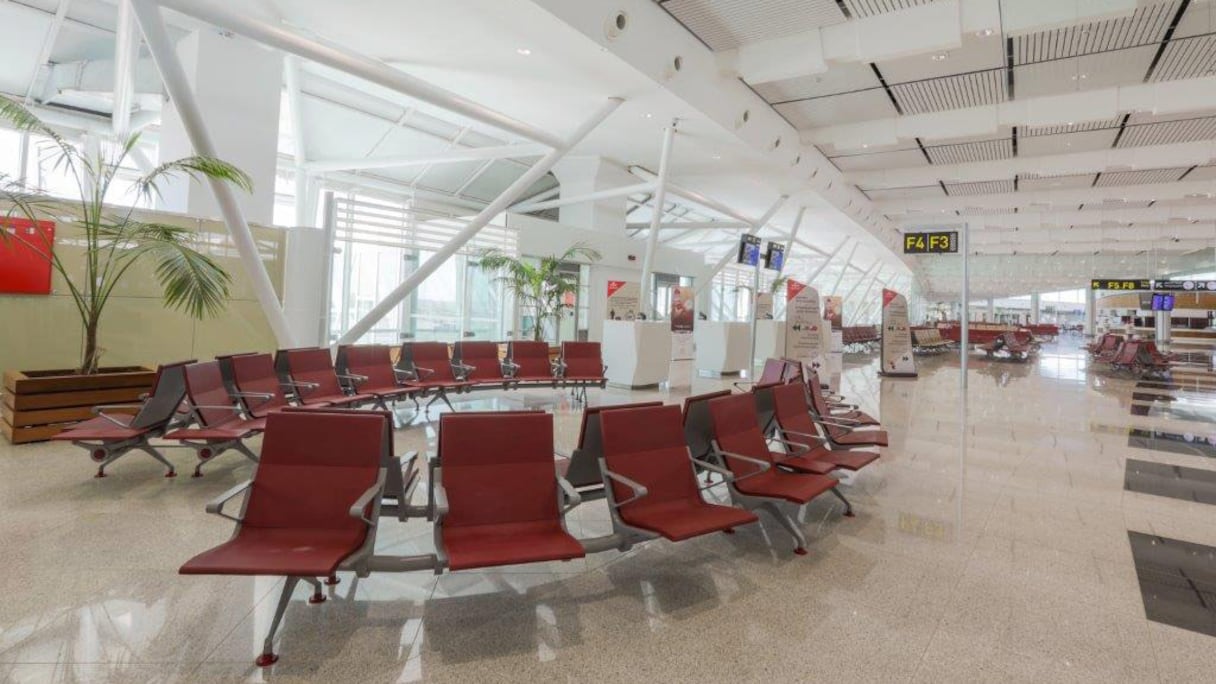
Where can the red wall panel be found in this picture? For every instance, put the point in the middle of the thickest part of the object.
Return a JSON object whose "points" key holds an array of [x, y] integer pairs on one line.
{"points": [[25, 266]]}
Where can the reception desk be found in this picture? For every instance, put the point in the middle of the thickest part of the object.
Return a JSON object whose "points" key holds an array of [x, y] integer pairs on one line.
{"points": [[637, 353], [770, 340], [722, 347]]}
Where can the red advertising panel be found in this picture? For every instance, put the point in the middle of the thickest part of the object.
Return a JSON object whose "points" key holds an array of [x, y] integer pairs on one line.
{"points": [[25, 265]]}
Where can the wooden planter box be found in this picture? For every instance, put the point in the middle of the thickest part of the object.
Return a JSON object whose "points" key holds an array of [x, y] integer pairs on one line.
{"points": [[38, 405]]}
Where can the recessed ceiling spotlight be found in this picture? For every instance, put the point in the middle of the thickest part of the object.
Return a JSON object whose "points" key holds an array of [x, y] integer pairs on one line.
{"points": [[941, 56], [985, 33], [523, 51], [648, 115]]}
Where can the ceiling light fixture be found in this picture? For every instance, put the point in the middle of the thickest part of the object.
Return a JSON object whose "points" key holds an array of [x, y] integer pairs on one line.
{"points": [[523, 51], [985, 33]]}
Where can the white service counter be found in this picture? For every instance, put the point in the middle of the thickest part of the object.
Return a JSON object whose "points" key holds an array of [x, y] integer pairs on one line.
{"points": [[637, 353], [722, 347], [770, 340]]}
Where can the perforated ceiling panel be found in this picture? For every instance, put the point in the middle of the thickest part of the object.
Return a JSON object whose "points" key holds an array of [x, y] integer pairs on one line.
{"points": [[1147, 25], [727, 24], [1031, 131], [952, 92], [1168, 132], [992, 187], [1032, 182], [880, 160], [982, 150], [1187, 58], [868, 8], [1140, 177], [915, 192], [825, 111]]}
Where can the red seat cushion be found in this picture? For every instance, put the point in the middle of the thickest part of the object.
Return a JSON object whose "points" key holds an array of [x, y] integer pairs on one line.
{"points": [[101, 429], [394, 392], [683, 519], [849, 460], [284, 551], [238, 429], [861, 437], [481, 546], [808, 462], [336, 399], [798, 488]]}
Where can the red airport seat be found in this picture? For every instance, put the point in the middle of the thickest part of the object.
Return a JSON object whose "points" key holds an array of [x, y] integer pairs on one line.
{"points": [[773, 372], [369, 370], [582, 469], [432, 371], [1125, 358], [258, 386], [582, 366], [496, 493], [742, 449], [220, 425], [481, 365], [311, 508], [698, 426], [839, 411], [530, 363], [652, 485], [795, 425], [841, 430], [315, 381], [111, 436]]}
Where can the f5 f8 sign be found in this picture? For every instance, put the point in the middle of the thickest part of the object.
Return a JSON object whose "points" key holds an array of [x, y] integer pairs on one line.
{"points": [[931, 243]]}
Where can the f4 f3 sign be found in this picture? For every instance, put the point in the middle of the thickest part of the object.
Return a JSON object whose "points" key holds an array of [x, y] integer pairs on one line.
{"points": [[931, 243]]}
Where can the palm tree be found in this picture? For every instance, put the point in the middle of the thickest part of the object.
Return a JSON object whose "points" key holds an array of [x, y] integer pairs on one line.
{"points": [[113, 242], [539, 288]]}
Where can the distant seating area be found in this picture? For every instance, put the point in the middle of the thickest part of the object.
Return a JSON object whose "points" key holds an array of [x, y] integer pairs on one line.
{"points": [[860, 338], [929, 341], [1018, 346], [1133, 356], [498, 497]]}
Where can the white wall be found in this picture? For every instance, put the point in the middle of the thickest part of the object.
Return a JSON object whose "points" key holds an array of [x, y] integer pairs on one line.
{"points": [[538, 237]]}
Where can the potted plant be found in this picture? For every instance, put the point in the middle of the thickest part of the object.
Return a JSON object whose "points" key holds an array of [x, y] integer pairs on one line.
{"points": [[539, 288], [112, 242]]}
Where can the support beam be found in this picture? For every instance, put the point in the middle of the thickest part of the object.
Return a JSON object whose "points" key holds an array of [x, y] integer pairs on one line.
{"points": [[48, 44], [864, 295], [126, 53], [295, 106], [178, 87], [758, 224], [692, 225], [624, 191], [348, 61], [822, 267], [499, 205], [845, 269], [656, 219], [970, 205], [452, 156], [789, 243]]}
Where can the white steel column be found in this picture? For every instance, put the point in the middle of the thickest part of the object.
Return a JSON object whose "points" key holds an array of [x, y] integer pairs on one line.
{"points": [[789, 243], [730, 254], [1034, 308], [824, 265], [174, 76], [499, 205], [528, 207], [126, 50], [847, 263], [1091, 311], [865, 293], [295, 104], [656, 218]]}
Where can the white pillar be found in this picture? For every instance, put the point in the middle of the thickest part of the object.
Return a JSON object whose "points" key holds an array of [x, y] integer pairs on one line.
{"points": [[237, 85], [656, 219], [1034, 308], [1091, 311], [580, 176], [845, 269], [991, 310]]}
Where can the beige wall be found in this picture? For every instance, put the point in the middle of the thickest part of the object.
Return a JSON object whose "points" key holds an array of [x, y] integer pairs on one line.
{"points": [[44, 332]]}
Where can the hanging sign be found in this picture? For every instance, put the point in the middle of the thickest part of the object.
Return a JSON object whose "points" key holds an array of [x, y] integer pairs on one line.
{"points": [[897, 357], [623, 299], [774, 258], [683, 309], [749, 250], [931, 243], [25, 257], [803, 324], [833, 311], [1185, 285], [1120, 284]]}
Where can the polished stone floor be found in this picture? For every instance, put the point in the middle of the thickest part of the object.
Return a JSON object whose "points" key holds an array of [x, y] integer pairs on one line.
{"points": [[1009, 562]]}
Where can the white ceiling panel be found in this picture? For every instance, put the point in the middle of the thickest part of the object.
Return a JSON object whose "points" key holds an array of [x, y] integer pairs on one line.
{"points": [[1042, 145], [1168, 132], [880, 160], [1139, 177], [449, 177], [1207, 173], [1077, 74], [1146, 26], [841, 78], [965, 152], [977, 53], [837, 109], [917, 192], [727, 24], [991, 187], [972, 89], [1032, 182], [1187, 58], [869, 8]]}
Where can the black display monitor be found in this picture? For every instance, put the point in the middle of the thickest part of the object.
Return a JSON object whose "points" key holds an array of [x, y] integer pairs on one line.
{"points": [[749, 250]]}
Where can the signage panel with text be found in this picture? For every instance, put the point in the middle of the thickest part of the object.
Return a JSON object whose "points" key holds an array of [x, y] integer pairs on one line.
{"points": [[931, 243]]}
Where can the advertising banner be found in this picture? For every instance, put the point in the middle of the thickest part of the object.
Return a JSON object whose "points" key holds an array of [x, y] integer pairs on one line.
{"points": [[833, 312], [897, 357], [764, 307], [803, 324], [623, 299], [683, 309]]}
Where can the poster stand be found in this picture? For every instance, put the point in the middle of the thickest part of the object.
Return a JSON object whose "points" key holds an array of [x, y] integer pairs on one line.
{"points": [[896, 359]]}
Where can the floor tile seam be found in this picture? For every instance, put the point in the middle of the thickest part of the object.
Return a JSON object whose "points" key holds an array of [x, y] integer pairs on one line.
{"points": [[246, 616]]}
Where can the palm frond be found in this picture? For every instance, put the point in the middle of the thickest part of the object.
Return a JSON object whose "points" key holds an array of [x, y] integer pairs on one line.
{"points": [[198, 168], [25, 121]]}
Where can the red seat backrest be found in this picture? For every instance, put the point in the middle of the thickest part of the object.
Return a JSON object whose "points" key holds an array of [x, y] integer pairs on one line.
{"points": [[373, 361], [483, 356], [698, 429], [532, 359], [168, 391], [1127, 353], [433, 356], [313, 365], [736, 429], [583, 359], [790, 408], [589, 433], [205, 388], [498, 467], [774, 371], [255, 374], [647, 446], [313, 466]]}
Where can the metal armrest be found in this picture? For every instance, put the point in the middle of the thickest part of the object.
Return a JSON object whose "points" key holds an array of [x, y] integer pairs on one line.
{"points": [[461, 370], [727, 476], [509, 369], [741, 384], [817, 438], [353, 377], [638, 490], [441, 500], [402, 374], [360, 505], [761, 466], [216, 505], [802, 448], [297, 386], [837, 421], [100, 411], [266, 397], [571, 495], [419, 370]]}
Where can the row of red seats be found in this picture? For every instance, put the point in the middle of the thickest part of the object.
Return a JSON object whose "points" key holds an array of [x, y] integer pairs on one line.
{"points": [[214, 406], [315, 501], [860, 337], [1133, 355], [1017, 345]]}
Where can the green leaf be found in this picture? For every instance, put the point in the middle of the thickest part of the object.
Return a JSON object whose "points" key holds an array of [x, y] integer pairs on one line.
{"points": [[198, 168]]}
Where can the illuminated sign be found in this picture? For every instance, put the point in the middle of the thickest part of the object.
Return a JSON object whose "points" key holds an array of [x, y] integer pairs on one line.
{"points": [[1185, 285], [774, 258], [1120, 284], [931, 243], [749, 250]]}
